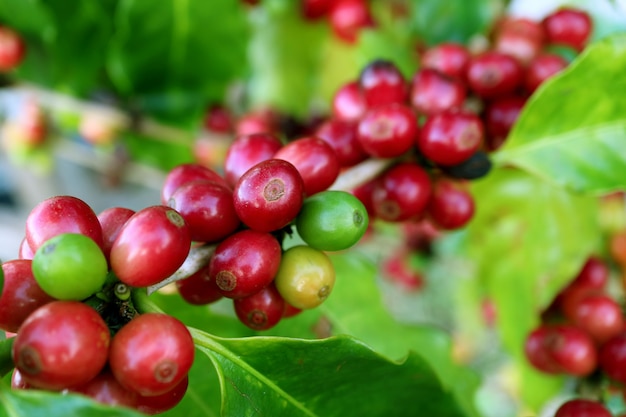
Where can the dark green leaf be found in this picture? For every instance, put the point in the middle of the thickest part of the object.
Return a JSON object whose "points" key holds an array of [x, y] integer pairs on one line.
{"points": [[338, 376], [452, 21], [6, 360], [175, 57], [572, 131], [527, 240], [35, 403]]}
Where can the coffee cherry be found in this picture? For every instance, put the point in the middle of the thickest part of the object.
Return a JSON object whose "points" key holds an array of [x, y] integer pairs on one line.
{"points": [[599, 315], [541, 68], [580, 407], [433, 92], [499, 117], [613, 358], [451, 205], [12, 49], [593, 274], [21, 295], [257, 121], [151, 354], [348, 102], [208, 210], [244, 263], [185, 173], [332, 220], [150, 247], [341, 135], [61, 344], [315, 160], [269, 195], [306, 277], [348, 17], [105, 389], [198, 288], [382, 83], [448, 58], [261, 310], [561, 349], [61, 214], [388, 130], [450, 138], [157, 404], [70, 266], [568, 26], [218, 119], [111, 220], [315, 9], [247, 151], [493, 74], [401, 193]]}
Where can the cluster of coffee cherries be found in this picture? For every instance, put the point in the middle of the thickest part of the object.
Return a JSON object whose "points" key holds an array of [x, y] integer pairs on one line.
{"points": [[582, 333], [268, 193], [66, 302]]}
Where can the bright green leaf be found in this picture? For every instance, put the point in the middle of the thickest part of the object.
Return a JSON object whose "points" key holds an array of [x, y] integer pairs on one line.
{"points": [[527, 240], [35, 403], [573, 130], [338, 376]]}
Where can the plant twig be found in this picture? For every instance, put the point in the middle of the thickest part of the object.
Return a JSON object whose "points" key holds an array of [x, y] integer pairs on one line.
{"points": [[198, 257]]}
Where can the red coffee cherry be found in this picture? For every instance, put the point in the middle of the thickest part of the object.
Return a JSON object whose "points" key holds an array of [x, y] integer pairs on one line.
{"points": [[450, 138], [151, 354], [348, 102], [451, 205], [613, 358], [568, 26], [447, 57], [247, 151], [198, 288], [244, 263], [402, 192], [184, 173], [341, 135], [580, 407], [12, 49], [382, 83], [60, 345], [269, 195], [348, 17], [261, 310], [541, 68], [434, 92], [493, 74], [388, 130]]}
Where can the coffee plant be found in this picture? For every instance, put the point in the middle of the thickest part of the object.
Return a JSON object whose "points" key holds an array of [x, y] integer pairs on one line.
{"points": [[361, 208]]}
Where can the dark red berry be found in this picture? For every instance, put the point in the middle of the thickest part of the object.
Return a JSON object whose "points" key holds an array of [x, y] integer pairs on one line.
{"points": [[208, 210], [401, 193], [244, 263], [349, 102], [450, 138], [111, 220], [257, 121], [261, 310], [21, 295], [433, 92], [600, 316], [315, 9], [568, 26], [247, 151], [218, 119], [315, 160], [541, 68], [269, 195], [382, 83], [183, 174], [157, 404], [341, 135], [451, 204], [198, 288], [12, 48], [61, 345], [387, 131], [105, 389], [581, 407], [493, 74], [447, 57], [499, 117], [151, 354]]}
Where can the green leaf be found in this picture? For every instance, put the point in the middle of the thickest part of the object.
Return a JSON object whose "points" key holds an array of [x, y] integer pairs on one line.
{"points": [[175, 57], [453, 20], [36, 403], [572, 131], [6, 358], [285, 57], [337, 376], [356, 308], [527, 240]]}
